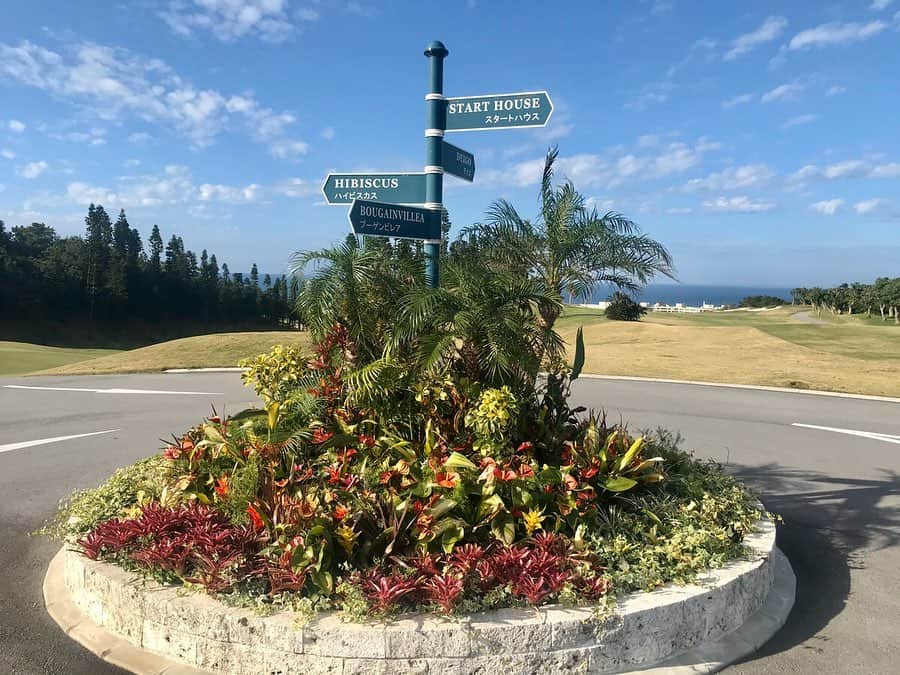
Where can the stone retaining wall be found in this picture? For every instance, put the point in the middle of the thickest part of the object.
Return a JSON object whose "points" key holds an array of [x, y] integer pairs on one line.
{"points": [[646, 628]]}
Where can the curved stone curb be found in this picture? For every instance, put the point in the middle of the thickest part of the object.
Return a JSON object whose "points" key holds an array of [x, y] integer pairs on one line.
{"points": [[195, 633]]}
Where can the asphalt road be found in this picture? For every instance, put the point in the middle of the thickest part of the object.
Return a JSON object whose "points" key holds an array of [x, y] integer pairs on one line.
{"points": [[838, 492]]}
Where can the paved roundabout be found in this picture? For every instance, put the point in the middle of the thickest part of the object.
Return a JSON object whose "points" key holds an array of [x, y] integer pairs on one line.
{"points": [[829, 465]]}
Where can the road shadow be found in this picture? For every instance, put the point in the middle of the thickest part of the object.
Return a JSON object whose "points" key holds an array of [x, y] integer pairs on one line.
{"points": [[829, 523]]}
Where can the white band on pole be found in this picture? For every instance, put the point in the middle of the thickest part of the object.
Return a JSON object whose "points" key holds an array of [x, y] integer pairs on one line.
{"points": [[434, 132], [434, 241], [434, 206], [435, 97], [431, 168]]}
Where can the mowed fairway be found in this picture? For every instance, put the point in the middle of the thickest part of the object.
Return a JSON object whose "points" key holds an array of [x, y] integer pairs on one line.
{"points": [[17, 358], [202, 351], [765, 348]]}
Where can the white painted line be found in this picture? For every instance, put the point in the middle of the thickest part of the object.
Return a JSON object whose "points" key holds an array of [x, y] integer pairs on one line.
{"points": [[873, 435], [223, 369], [56, 439], [117, 391], [757, 387]]}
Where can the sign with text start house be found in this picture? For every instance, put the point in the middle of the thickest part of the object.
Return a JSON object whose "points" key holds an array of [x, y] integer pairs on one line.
{"points": [[499, 111]]}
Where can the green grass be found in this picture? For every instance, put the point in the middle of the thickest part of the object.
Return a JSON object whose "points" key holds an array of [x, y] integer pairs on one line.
{"points": [[17, 358]]}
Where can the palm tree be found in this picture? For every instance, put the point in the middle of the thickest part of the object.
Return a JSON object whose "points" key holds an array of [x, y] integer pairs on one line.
{"points": [[570, 247], [355, 288], [480, 322]]}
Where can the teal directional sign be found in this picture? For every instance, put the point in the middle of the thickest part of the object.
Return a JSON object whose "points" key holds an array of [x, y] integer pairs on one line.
{"points": [[399, 188], [499, 111], [458, 162], [394, 220]]}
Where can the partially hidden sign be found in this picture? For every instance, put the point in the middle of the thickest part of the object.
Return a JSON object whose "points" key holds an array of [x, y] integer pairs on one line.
{"points": [[458, 162]]}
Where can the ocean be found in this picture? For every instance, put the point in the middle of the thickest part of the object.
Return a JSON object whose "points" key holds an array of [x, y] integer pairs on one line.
{"points": [[696, 294]]}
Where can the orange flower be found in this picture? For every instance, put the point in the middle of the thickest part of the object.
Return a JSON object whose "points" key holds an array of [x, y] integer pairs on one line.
{"points": [[447, 480], [222, 486], [340, 512], [255, 518]]}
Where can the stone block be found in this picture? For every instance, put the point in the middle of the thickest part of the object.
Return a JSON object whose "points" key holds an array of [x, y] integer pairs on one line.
{"points": [[163, 640], [329, 636]]}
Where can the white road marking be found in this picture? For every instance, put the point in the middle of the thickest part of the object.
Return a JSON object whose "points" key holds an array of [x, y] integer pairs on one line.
{"points": [[117, 391], [55, 439], [873, 435]]}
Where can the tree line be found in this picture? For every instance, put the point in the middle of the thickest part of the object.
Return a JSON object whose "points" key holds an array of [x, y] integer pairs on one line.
{"points": [[109, 275], [882, 296]]}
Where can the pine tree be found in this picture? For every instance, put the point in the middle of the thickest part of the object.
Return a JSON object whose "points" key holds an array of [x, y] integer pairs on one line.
{"points": [[156, 249], [254, 275]]}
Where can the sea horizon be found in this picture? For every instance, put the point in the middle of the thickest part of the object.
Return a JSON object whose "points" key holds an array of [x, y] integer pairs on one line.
{"points": [[696, 294]]}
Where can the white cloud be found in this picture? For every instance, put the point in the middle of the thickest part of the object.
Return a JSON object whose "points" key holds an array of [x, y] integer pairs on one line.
{"points": [[7, 154], [327, 133], [827, 207], [889, 170], [835, 90], [799, 120], [16, 126], [226, 193], [737, 205], [733, 178], [836, 34], [704, 43], [629, 165], [679, 211], [139, 137], [232, 20], [851, 168], [769, 30], [878, 5], [737, 100], [296, 187], [33, 169], [782, 92], [869, 206], [93, 136], [115, 83], [131, 163]]}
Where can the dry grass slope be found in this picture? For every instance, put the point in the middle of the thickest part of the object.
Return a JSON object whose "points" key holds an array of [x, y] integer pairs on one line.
{"points": [[202, 351], [770, 349]]}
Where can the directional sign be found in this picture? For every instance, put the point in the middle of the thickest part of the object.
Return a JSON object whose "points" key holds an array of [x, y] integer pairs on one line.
{"points": [[394, 220], [399, 188], [499, 111], [458, 162]]}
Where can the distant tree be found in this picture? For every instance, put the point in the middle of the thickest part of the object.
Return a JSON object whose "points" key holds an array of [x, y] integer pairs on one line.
{"points": [[156, 249], [254, 275], [759, 301], [622, 307]]}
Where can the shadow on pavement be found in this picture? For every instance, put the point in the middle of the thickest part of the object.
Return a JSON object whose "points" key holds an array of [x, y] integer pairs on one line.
{"points": [[828, 523]]}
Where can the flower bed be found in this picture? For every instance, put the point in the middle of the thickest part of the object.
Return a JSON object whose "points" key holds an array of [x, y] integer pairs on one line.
{"points": [[493, 499]]}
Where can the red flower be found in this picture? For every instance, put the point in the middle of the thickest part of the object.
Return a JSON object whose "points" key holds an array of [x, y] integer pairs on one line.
{"points": [[571, 483], [255, 518], [340, 512], [526, 471], [527, 446], [320, 435], [334, 474], [385, 477], [367, 441], [505, 474], [346, 454], [171, 452]]}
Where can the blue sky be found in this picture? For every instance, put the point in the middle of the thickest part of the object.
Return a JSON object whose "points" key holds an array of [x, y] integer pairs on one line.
{"points": [[759, 140]]}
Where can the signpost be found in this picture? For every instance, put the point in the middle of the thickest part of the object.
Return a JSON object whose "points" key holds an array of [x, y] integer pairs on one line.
{"points": [[394, 220], [399, 188], [409, 205], [499, 111], [458, 162]]}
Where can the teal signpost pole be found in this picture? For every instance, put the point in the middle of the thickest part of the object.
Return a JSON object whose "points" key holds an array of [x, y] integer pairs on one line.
{"points": [[436, 115]]}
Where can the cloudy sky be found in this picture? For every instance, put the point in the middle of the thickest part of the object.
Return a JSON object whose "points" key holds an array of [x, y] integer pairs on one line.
{"points": [[759, 140]]}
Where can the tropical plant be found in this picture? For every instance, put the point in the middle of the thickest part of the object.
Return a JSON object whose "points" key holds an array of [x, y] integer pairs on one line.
{"points": [[622, 307], [569, 248]]}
